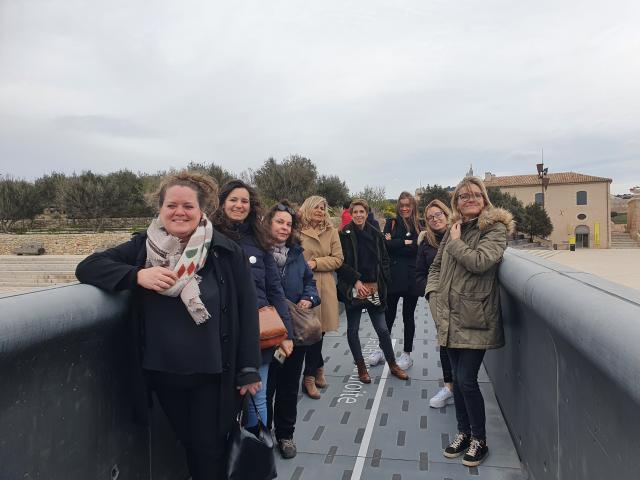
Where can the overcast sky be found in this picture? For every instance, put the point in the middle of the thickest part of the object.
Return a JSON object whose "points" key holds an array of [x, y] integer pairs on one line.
{"points": [[394, 93]]}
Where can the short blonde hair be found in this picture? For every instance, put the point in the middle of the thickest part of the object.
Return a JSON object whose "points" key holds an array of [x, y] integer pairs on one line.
{"points": [[466, 183], [307, 207]]}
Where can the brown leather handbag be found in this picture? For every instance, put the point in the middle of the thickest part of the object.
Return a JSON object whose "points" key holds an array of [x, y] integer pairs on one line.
{"points": [[272, 329]]}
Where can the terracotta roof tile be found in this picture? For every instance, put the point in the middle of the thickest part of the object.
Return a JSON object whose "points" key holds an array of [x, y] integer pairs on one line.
{"points": [[554, 179]]}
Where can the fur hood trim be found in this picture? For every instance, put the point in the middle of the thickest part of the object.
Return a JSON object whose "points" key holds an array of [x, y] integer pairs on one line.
{"points": [[489, 216]]}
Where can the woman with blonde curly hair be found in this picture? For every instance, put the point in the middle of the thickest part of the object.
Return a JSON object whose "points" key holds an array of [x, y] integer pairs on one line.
{"points": [[323, 253], [194, 326]]}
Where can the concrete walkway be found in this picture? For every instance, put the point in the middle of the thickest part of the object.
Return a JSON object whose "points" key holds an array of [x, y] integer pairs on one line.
{"points": [[386, 430], [619, 266]]}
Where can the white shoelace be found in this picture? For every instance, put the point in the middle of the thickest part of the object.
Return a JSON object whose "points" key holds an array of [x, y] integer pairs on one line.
{"points": [[473, 448], [458, 441]]}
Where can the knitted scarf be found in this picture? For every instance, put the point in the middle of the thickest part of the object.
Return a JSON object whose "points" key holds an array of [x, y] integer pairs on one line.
{"points": [[165, 250], [280, 252]]}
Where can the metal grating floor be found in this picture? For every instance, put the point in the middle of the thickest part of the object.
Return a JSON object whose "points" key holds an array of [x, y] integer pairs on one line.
{"points": [[386, 430]]}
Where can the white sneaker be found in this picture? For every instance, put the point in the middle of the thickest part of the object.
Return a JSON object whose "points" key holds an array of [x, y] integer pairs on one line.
{"points": [[442, 398], [375, 358], [404, 361]]}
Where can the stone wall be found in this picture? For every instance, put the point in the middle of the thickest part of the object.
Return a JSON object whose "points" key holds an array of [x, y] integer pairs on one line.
{"points": [[64, 244]]}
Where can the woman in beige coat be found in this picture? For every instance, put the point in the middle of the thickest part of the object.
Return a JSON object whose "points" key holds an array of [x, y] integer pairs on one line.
{"points": [[323, 253]]}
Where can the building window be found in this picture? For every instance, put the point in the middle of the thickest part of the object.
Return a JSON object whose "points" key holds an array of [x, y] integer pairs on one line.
{"points": [[539, 199], [581, 198], [581, 216]]}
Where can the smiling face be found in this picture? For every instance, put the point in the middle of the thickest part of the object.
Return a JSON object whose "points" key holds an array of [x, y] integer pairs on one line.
{"points": [[470, 201], [237, 205], [180, 211], [436, 219], [404, 208], [281, 225], [359, 215]]}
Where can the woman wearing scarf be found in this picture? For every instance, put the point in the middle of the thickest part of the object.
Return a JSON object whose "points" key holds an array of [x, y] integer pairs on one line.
{"points": [[323, 254], [436, 215], [299, 288], [194, 328], [239, 217], [362, 283]]}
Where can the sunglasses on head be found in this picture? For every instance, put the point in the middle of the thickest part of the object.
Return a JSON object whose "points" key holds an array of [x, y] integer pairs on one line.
{"points": [[283, 208]]}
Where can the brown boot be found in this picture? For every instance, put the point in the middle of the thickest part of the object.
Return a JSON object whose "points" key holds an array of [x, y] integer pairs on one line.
{"points": [[309, 387], [396, 371], [321, 381], [363, 375]]}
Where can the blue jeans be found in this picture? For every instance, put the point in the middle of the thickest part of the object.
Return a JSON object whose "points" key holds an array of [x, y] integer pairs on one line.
{"points": [[379, 325], [465, 364], [260, 398]]}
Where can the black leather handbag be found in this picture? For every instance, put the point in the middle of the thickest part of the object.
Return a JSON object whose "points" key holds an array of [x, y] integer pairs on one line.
{"points": [[250, 456]]}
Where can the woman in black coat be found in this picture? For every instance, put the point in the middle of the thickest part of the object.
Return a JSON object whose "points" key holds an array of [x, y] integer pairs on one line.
{"points": [[436, 215], [362, 283], [400, 237], [195, 330], [300, 289], [239, 216]]}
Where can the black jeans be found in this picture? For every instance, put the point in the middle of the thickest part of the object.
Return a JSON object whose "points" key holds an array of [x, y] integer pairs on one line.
{"points": [[447, 375], [469, 402], [377, 319], [192, 404], [409, 303], [313, 358], [282, 393]]}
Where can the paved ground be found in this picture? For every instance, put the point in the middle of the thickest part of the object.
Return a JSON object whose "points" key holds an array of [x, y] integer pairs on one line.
{"points": [[388, 430], [619, 266]]}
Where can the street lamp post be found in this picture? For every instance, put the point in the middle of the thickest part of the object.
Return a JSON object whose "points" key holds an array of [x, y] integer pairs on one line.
{"points": [[544, 179]]}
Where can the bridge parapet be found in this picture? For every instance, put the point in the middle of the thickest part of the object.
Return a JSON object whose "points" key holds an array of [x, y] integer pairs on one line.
{"points": [[64, 403], [568, 380]]}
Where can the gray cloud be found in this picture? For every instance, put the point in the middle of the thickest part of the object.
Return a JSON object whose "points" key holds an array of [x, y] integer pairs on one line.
{"points": [[381, 93]]}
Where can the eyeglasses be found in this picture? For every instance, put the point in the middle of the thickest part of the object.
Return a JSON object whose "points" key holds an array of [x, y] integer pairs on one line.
{"points": [[435, 216], [467, 196], [283, 208]]}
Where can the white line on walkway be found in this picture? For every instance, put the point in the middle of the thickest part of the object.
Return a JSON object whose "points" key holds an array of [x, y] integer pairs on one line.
{"points": [[368, 432]]}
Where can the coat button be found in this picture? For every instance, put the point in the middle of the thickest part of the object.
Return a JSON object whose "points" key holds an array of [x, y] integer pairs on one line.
{"points": [[226, 367], [221, 281], [225, 337], [224, 309]]}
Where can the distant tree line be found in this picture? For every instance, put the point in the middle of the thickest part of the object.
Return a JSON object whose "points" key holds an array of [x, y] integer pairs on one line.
{"points": [[126, 194]]}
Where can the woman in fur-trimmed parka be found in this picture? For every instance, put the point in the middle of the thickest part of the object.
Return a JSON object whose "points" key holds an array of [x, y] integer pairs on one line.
{"points": [[464, 299]]}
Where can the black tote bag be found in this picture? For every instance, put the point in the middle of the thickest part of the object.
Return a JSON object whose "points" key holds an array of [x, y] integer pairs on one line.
{"points": [[250, 456]]}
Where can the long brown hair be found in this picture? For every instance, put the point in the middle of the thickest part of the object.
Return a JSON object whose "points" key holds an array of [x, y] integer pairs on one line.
{"points": [[429, 233], [413, 223], [254, 219], [284, 206]]}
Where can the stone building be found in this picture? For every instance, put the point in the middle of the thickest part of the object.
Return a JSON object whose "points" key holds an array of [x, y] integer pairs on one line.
{"points": [[577, 204]]}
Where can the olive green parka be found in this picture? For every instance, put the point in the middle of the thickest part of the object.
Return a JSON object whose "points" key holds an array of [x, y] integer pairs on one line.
{"points": [[462, 287]]}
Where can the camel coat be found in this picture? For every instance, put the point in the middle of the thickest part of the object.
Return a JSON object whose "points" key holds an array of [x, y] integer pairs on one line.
{"points": [[324, 247]]}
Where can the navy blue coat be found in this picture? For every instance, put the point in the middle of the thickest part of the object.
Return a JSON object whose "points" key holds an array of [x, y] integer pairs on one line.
{"points": [[267, 281], [297, 278]]}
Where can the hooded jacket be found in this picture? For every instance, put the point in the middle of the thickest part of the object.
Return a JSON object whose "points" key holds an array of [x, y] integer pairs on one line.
{"points": [[462, 287]]}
